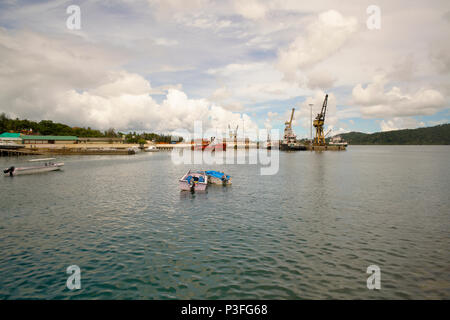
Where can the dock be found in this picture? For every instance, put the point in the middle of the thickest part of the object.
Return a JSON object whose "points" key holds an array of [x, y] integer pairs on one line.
{"points": [[325, 148], [85, 151], [18, 152], [67, 150]]}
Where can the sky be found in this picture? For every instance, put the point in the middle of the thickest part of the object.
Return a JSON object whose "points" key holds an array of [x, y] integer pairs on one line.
{"points": [[160, 65]]}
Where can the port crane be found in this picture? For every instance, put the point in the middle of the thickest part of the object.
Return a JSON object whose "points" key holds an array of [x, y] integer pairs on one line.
{"points": [[319, 123]]}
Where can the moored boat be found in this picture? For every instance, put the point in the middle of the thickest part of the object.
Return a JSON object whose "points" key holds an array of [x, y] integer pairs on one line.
{"points": [[194, 181], [47, 165], [289, 142], [151, 149], [216, 147], [296, 146], [338, 141], [217, 177]]}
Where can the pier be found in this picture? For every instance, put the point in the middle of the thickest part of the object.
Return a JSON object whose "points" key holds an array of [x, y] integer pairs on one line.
{"points": [[67, 150], [326, 148], [17, 152]]}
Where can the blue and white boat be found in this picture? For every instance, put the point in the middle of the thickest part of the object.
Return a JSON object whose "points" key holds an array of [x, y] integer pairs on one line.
{"points": [[194, 181], [217, 177]]}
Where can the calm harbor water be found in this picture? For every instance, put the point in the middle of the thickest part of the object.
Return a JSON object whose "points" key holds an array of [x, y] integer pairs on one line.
{"points": [[308, 232]]}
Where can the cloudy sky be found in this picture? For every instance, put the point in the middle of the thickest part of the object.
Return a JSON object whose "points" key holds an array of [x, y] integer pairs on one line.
{"points": [[158, 65]]}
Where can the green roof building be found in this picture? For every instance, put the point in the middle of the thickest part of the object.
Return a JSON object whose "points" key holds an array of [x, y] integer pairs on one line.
{"points": [[10, 136]]}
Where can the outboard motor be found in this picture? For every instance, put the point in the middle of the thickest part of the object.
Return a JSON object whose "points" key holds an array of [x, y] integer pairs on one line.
{"points": [[194, 181], [10, 170], [224, 180]]}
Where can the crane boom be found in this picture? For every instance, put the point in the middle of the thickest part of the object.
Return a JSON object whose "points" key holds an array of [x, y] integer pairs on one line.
{"points": [[324, 108], [289, 123], [292, 117]]}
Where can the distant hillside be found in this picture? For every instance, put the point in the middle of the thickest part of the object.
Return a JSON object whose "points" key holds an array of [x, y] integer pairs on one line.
{"points": [[432, 135]]}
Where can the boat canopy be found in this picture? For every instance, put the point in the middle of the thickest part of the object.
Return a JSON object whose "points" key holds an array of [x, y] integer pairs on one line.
{"points": [[45, 159], [216, 174]]}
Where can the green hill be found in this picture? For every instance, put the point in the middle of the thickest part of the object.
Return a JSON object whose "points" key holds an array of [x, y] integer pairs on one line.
{"points": [[431, 135]]}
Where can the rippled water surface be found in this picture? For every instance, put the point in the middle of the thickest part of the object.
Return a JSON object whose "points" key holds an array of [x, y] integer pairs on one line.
{"points": [[309, 231]]}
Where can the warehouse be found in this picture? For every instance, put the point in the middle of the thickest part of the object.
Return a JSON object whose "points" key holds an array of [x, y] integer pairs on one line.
{"points": [[103, 140]]}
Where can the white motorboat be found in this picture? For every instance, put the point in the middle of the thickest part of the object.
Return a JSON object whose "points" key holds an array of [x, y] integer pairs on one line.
{"points": [[338, 141], [46, 165], [151, 149]]}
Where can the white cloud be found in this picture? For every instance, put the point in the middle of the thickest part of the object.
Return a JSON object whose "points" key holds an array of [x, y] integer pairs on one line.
{"points": [[271, 118], [438, 122], [250, 9], [121, 83], [254, 82], [203, 21], [320, 79], [375, 102], [220, 94], [83, 86], [397, 123], [324, 36], [165, 42], [234, 106], [172, 42], [440, 57]]}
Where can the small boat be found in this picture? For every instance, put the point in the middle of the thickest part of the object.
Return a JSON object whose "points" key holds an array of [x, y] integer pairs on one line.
{"points": [[194, 181], [217, 177], [151, 149], [47, 165], [338, 141], [292, 147], [289, 142], [133, 150], [216, 147], [201, 146]]}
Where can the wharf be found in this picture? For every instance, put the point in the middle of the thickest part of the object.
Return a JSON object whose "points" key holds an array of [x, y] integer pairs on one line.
{"points": [[17, 152], [325, 148]]}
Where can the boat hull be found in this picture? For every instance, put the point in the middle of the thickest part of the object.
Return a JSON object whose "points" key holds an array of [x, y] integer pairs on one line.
{"points": [[341, 144], [34, 170], [214, 180], [199, 186], [216, 147], [286, 147]]}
